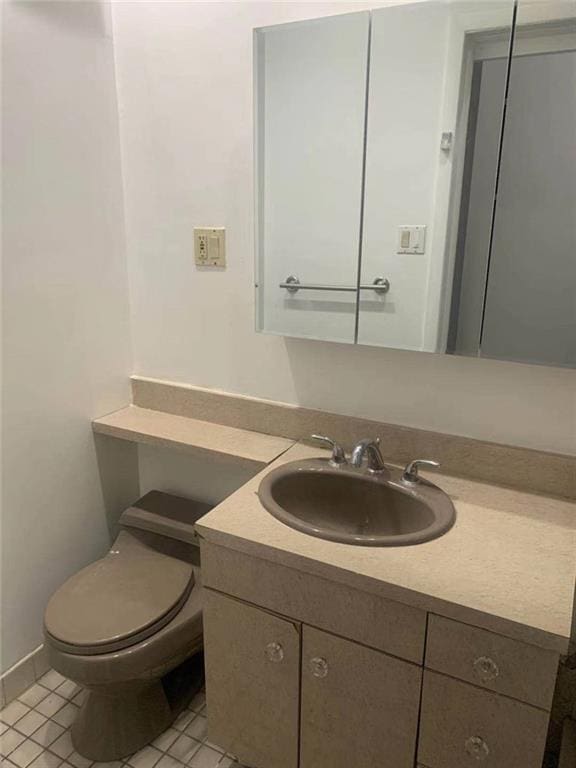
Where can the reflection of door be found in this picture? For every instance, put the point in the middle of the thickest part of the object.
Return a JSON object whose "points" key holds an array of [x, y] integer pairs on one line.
{"points": [[517, 300], [530, 312], [484, 129]]}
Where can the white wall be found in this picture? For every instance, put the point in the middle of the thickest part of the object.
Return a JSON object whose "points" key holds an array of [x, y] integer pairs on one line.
{"points": [[65, 310], [205, 479], [185, 88]]}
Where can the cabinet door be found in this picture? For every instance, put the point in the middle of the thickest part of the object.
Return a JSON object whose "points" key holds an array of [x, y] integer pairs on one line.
{"points": [[311, 99], [252, 682], [406, 103], [359, 706]]}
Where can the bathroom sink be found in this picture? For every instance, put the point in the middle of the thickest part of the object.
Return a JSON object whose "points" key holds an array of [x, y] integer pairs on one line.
{"points": [[355, 506]]}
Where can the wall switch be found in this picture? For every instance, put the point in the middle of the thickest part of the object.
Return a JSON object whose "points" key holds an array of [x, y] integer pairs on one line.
{"points": [[210, 246], [411, 238]]}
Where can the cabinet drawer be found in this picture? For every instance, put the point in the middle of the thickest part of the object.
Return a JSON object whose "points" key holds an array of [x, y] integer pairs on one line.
{"points": [[462, 725], [494, 662], [362, 616]]}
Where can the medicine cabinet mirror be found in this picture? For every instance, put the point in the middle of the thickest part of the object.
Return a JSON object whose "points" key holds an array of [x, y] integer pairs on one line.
{"points": [[416, 178]]}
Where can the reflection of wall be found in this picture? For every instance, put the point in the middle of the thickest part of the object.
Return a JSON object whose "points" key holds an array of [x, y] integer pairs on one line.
{"points": [[64, 300], [185, 85], [408, 69], [531, 296]]}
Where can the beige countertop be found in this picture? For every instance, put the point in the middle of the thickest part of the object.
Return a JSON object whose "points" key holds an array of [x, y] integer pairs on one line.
{"points": [[142, 425], [508, 564]]}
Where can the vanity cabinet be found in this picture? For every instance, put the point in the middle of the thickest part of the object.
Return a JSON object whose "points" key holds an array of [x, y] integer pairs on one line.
{"points": [[267, 676], [305, 672]]}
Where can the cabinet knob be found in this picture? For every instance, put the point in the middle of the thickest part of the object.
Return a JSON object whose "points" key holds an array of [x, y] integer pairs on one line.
{"points": [[486, 669], [477, 748], [319, 666], [274, 652]]}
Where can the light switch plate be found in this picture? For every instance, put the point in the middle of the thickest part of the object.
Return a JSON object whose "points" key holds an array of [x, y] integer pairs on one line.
{"points": [[210, 246], [412, 238]]}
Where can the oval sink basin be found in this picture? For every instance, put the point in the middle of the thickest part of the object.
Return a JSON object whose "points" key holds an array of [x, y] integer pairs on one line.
{"points": [[354, 506]]}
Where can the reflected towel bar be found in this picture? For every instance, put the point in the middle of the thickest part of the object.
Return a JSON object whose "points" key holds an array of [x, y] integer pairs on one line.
{"points": [[293, 285]]}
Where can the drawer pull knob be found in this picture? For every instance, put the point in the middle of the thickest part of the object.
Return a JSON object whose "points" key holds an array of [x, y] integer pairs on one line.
{"points": [[274, 652], [319, 666], [486, 669], [477, 748]]}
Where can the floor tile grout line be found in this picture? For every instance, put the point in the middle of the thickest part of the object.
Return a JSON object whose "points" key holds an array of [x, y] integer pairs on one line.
{"points": [[55, 722], [37, 683], [69, 699]]}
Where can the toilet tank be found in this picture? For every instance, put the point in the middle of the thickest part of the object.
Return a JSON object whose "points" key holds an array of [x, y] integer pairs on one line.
{"points": [[166, 515]]}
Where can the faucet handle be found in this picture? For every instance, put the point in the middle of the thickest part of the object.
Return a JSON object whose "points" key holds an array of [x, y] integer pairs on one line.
{"points": [[410, 474], [338, 457]]}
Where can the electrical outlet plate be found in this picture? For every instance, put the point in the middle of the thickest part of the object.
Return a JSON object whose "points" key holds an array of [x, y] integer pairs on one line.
{"points": [[210, 246], [411, 238]]}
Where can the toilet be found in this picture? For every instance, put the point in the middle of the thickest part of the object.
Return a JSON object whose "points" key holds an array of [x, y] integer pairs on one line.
{"points": [[128, 628]]}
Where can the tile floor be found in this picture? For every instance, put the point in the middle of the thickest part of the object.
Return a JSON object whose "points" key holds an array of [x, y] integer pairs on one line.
{"points": [[35, 733]]}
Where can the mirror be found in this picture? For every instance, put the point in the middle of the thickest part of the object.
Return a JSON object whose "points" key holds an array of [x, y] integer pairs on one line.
{"points": [[515, 296], [311, 90], [407, 196]]}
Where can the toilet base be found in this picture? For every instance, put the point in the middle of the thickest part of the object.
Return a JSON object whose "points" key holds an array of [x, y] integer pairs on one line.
{"points": [[115, 722], [126, 721]]}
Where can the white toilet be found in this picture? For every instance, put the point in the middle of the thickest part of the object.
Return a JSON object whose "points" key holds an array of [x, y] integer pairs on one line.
{"points": [[129, 629]]}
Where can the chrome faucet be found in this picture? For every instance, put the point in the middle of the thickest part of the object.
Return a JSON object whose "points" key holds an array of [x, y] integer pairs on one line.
{"points": [[369, 449]]}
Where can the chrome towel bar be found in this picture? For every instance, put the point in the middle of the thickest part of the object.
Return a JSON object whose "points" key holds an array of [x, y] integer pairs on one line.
{"points": [[292, 284]]}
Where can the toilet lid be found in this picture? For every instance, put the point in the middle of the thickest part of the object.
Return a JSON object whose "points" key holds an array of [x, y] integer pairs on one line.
{"points": [[133, 588]]}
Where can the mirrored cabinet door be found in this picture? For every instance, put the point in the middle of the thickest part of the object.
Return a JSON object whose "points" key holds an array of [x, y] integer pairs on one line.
{"points": [[310, 85], [424, 67], [406, 104]]}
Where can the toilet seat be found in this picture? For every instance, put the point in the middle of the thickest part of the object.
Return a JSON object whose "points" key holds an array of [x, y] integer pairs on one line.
{"points": [[122, 599]]}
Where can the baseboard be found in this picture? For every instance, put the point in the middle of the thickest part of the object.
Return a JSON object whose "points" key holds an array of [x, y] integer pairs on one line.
{"points": [[22, 675]]}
